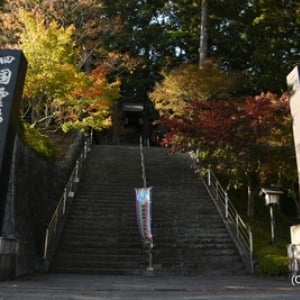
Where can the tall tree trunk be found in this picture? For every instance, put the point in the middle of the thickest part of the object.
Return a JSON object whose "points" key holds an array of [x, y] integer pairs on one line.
{"points": [[252, 187], [203, 34]]}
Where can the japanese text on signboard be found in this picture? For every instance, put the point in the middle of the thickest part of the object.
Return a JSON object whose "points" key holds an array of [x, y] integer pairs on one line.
{"points": [[5, 77]]}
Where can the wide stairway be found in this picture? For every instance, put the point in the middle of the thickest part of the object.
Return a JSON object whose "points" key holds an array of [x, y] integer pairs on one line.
{"points": [[101, 235]]}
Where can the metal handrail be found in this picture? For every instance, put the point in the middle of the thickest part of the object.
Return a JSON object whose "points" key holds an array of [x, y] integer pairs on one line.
{"points": [[62, 207], [239, 230]]}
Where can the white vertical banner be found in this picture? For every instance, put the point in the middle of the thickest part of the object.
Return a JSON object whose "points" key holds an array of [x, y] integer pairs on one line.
{"points": [[143, 213]]}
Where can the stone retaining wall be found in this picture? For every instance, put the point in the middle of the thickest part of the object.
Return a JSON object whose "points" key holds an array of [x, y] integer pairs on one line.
{"points": [[34, 190]]}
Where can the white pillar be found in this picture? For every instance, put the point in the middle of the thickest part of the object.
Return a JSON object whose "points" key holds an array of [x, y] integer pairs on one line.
{"points": [[293, 82]]}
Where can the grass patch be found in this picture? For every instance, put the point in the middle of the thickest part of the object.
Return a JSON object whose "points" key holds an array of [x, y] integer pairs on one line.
{"points": [[271, 259]]}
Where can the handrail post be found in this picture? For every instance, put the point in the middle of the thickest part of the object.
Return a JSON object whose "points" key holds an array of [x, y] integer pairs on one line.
{"points": [[251, 250], [46, 243], [70, 188], [237, 226], [91, 136], [209, 179], [76, 179], [226, 205], [85, 150], [65, 200]]}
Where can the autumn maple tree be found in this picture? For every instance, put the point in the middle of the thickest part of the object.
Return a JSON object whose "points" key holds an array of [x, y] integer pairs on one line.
{"points": [[244, 140], [89, 106]]}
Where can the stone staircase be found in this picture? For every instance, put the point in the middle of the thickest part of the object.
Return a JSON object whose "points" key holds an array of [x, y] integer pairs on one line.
{"points": [[101, 236], [189, 234]]}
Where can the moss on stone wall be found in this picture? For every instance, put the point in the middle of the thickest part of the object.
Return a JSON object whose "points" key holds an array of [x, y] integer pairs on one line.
{"points": [[36, 141]]}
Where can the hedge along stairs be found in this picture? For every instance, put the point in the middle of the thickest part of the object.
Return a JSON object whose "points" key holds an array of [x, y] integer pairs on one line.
{"points": [[101, 234]]}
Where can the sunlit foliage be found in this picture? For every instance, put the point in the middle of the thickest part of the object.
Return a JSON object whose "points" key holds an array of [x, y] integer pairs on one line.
{"points": [[187, 83], [55, 88]]}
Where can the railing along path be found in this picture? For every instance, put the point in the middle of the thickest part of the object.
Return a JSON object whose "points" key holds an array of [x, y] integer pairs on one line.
{"points": [[239, 230], [56, 222]]}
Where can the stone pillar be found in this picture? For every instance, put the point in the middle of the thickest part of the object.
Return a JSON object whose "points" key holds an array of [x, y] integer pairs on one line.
{"points": [[293, 82], [293, 250]]}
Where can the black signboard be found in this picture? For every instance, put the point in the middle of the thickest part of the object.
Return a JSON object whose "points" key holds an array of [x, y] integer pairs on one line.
{"points": [[13, 67]]}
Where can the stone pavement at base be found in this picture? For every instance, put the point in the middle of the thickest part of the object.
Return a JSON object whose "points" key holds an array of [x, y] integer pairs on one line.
{"points": [[89, 287]]}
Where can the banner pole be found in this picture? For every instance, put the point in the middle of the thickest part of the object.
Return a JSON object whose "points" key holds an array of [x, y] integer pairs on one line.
{"points": [[150, 267]]}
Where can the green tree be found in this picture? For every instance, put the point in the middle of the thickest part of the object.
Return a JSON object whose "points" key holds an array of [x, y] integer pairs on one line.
{"points": [[54, 80], [92, 30], [51, 66], [149, 34], [273, 43], [260, 38]]}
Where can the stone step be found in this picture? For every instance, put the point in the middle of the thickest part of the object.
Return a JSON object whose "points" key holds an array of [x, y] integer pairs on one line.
{"points": [[98, 221], [95, 225], [113, 240], [103, 206], [99, 261], [158, 232], [160, 242], [183, 245], [94, 271], [72, 243], [103, 249], [99, 189], [105, 229], [213, 267], [207, 224], [109, 212]]}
